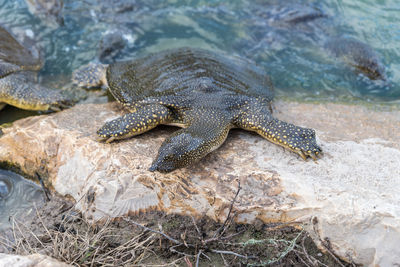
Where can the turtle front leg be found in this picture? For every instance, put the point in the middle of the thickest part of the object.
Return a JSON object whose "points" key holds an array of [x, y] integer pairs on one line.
{"points": [[142, 120], [297, 139]]}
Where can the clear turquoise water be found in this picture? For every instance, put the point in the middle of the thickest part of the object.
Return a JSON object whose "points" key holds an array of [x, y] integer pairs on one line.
{"points": [[300, 68]]}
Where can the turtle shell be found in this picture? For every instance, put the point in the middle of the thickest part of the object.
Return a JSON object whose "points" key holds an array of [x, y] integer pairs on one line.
{"points": [[185, 71], [14, 56]]}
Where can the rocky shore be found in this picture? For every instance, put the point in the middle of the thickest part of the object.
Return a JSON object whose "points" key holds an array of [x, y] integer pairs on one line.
{"points": [[348, 198]]}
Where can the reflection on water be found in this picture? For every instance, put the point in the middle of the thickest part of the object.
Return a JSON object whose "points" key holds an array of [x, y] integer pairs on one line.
{"points": [[17, 197], [286, 37]]}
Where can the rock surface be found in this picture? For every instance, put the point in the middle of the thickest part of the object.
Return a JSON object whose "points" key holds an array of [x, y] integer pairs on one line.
{"points": [[349, 197], [34, 260]]}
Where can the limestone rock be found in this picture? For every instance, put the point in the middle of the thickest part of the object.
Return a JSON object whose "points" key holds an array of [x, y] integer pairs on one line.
{"points": [[349, 197], [34, 260]]}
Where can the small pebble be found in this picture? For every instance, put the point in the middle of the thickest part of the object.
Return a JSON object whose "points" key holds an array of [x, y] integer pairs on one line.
{"points": [[30, 33]]}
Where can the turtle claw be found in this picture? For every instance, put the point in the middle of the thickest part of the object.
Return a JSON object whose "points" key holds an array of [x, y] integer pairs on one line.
{"points": [[109, 140], [313, 156], [315, 153], [302, 154], [105, 140]]}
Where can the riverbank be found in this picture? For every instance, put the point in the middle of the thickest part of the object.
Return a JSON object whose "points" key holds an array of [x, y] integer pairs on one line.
{"points": [[353, 185]]}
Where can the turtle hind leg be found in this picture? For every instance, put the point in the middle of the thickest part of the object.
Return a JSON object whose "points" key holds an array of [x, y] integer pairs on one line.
{"points": [[142, 120], [297, 139], [90, 76]]}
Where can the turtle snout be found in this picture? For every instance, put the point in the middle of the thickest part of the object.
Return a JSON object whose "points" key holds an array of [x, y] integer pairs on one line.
{"points": [[162, 165], [167, 159]]}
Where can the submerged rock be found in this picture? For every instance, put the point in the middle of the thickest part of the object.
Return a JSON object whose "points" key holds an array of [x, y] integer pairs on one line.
{"points": [[349, 197]]}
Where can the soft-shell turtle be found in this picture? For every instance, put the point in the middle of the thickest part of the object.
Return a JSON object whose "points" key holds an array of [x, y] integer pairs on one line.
{"points": [[358, 55], [18, 87], [205, 93], [284, 24]]}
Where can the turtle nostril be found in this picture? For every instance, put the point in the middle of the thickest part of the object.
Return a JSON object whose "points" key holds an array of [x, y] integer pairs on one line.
{"points": [[162, 165], [153, 167]]}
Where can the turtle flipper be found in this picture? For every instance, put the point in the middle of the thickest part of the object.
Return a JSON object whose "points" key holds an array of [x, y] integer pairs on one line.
{"points": [[90, 76], [21, 91], [188, 145], [297, 139], [142, 120]]}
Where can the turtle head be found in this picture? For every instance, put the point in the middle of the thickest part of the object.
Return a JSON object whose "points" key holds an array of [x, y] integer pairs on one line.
{"points": [[372, 68], [180, 150]]}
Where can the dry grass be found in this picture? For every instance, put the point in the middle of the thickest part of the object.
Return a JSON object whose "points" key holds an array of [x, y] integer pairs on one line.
{"points": [[84, 245], [178, 241]]}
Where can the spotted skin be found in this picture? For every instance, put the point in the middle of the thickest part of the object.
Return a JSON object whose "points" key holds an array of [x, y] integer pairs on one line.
{"points": [[143, 119], [21, 90], [257, 118], [90, 76], [192, 143], [206, 94]]}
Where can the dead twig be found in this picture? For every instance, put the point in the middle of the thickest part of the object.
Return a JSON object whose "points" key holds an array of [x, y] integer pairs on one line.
{"points": [[45, 189], [188, 262], [232, 253], [305, 251], [198, 257], [154, 231], [331, 253], [221, 229], [314, 261]]}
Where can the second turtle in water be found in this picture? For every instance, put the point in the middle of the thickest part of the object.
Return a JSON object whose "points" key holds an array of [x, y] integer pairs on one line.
{"points": [[204, 93]]}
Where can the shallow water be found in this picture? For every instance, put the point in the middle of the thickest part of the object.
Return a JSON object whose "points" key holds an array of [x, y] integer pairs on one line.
{"points": [[292, 54], [18, 197]]}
